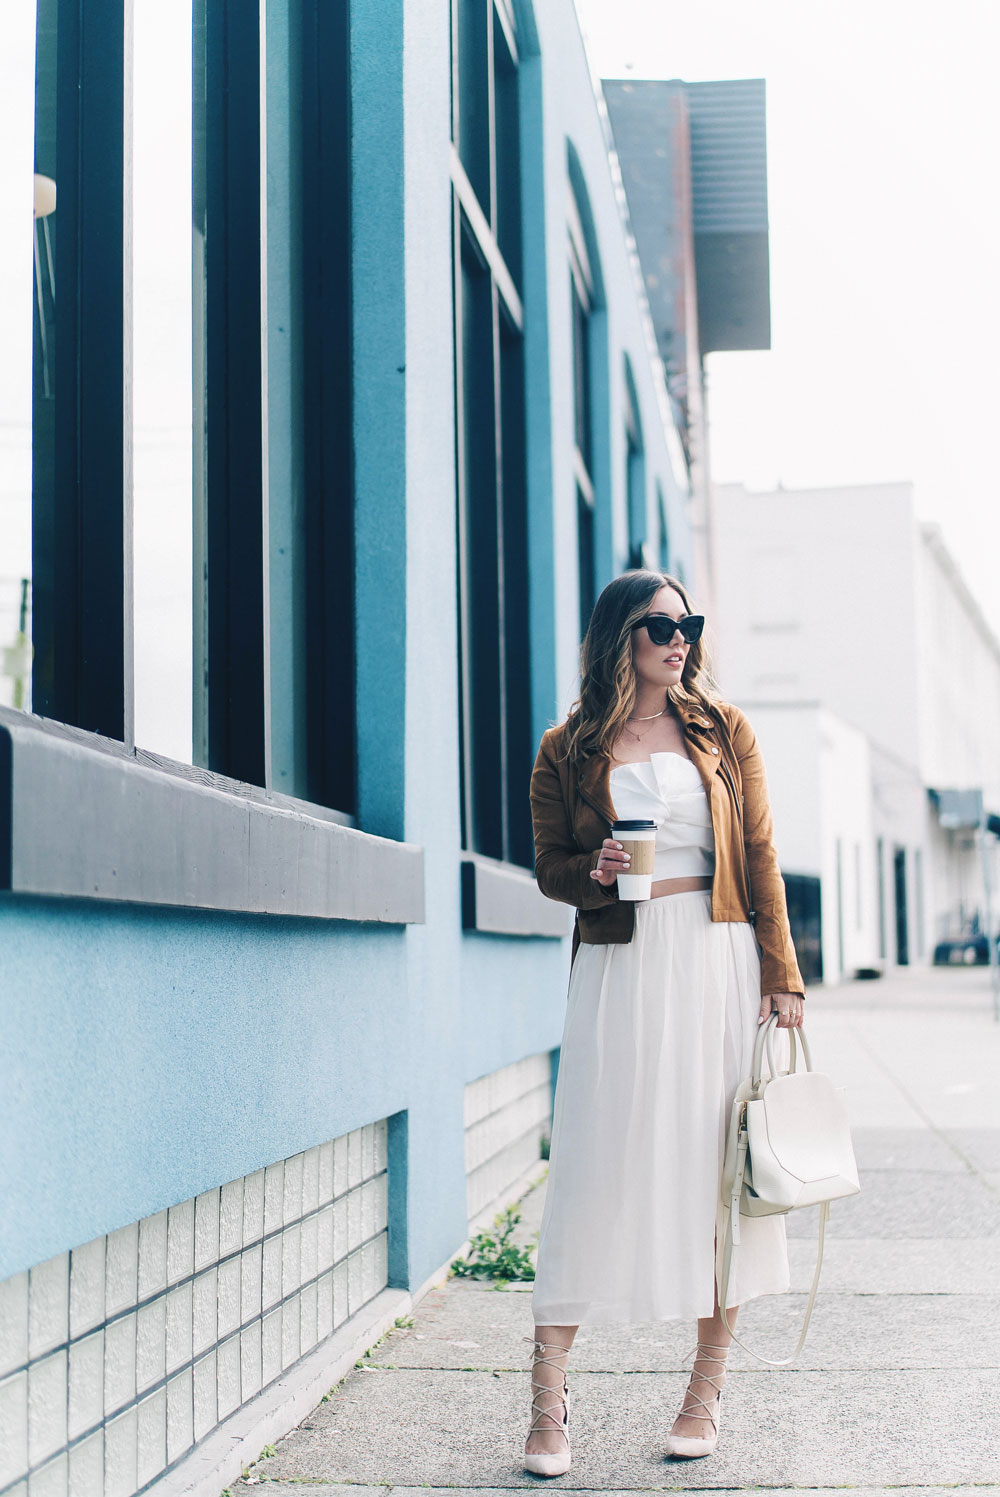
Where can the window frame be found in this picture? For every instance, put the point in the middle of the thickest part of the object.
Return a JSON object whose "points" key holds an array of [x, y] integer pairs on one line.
{"points": [[663, 530], [636, 496], [583, 301], [84, 813], [505, 721]]}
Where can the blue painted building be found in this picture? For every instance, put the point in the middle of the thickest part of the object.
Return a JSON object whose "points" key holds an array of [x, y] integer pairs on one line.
{"points": [[280, 993]]}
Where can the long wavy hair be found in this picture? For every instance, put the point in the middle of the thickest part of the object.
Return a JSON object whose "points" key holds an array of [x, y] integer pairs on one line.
{"points": [[608, 687]]}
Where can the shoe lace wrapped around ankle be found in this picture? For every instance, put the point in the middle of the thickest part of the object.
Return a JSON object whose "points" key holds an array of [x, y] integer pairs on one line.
{"points": [[537, 1413], [705, 1350]]}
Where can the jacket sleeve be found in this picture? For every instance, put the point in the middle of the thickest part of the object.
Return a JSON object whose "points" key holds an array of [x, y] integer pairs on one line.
{"points": [[779, 966], [561, 870]]}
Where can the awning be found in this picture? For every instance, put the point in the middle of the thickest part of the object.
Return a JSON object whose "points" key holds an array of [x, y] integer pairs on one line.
{"points": [[960, 810]]}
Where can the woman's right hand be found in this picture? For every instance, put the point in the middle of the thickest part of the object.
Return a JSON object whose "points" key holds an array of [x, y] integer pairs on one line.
{"points": [[612, 861]]}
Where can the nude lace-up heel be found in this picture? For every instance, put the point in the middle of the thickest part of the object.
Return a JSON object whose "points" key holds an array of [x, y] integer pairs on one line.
{"points": [[545, 1463], [690, 1445]]}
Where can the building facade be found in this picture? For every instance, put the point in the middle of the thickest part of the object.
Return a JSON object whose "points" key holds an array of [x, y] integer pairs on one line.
{"points": [[693, 160], [331, 400], [873, 681]]}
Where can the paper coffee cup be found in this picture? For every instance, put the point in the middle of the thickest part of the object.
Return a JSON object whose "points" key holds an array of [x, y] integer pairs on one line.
{"points": [[638, 838]]}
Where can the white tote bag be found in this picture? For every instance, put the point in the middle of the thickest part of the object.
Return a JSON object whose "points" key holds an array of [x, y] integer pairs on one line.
{"points": [[789, 1145]]}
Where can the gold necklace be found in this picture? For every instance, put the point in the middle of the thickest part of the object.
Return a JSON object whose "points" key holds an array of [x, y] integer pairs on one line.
{"points": [[638, 736]]}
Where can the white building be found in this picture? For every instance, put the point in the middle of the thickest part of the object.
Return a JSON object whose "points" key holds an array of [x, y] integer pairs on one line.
{"points": [[848, 635]]}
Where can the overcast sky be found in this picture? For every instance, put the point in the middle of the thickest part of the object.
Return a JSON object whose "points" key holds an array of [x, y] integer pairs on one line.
{"points": [[883, 119]]}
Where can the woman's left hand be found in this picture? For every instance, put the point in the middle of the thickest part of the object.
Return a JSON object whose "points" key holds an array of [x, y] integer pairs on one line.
{"points": [[788, 1005]]}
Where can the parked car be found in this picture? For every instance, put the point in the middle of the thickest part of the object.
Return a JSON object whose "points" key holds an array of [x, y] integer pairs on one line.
{"points": [[966, 951]]}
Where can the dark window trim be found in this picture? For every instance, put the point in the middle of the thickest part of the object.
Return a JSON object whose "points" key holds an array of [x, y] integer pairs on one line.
{"points": [[585, 302], [235, 329], [82, 503], [82, 816], [327, 318], [636, 495], [502, 899], [491, 524]]}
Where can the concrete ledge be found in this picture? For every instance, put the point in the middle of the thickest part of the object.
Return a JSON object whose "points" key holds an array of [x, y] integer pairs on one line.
{"points": [[504, 900], [82, 817]]}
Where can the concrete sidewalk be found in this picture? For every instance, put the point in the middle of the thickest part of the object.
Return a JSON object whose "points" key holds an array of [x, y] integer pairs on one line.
{"points": [[897, 1387]]}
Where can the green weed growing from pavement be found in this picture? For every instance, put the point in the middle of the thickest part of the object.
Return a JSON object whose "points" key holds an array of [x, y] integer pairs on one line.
{"points": [[492, 1255], [265, 1455]]}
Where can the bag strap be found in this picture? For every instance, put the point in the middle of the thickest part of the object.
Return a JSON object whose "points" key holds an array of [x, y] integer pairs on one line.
{"points": [[732, 1235]]}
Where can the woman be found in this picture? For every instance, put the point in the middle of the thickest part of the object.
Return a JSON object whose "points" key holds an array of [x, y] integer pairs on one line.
{"points": [[664, 1000]]}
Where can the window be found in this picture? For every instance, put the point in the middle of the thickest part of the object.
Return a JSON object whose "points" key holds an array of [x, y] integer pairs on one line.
{"points": [[27, 305], [311, 495], [162, 347], [495, 695], [918, 890], [663, 546], [154, 497], [589, 367], [635, 476], [180, 578], [582, 307], [902, 912]]}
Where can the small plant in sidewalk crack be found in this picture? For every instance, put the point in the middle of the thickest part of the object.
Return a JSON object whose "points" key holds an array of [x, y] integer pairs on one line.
{"points": [[265, 1455], [492, 1255]]}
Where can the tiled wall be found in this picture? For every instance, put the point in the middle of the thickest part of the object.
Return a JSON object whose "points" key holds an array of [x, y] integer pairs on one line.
{"points": [[506, 1115], [117, 1357]]}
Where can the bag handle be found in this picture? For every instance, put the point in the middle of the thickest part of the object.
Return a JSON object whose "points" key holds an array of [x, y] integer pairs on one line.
{"points": [[764, 1044], [766, 1033]]}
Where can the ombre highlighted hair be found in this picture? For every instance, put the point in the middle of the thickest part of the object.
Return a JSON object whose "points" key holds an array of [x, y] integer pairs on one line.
{"points": [[607, 676]]}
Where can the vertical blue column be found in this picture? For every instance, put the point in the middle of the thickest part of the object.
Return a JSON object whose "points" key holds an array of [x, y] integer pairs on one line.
{"points": [[285, 456], [379, 299]]}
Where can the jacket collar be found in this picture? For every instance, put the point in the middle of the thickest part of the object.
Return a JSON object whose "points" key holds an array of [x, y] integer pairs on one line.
{"points": [[594, 777]]}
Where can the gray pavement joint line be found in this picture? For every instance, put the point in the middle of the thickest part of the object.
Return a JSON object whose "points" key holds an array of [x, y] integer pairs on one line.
{"points": [[678, 1371], [923, 1113], [427, 1486]]}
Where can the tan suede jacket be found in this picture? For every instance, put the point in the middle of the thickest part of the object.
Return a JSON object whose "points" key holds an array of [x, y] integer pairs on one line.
{"points": [[572, 815]]}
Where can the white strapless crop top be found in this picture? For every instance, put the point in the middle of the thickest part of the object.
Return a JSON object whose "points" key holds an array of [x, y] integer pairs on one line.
{"points": [[667, 788]]}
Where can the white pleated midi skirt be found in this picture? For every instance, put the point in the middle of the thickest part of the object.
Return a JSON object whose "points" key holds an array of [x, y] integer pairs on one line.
{"points": [[658, 1034]]}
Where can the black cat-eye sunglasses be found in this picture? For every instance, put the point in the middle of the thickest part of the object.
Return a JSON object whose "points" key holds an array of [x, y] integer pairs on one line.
{"points": [[662, 628]]}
